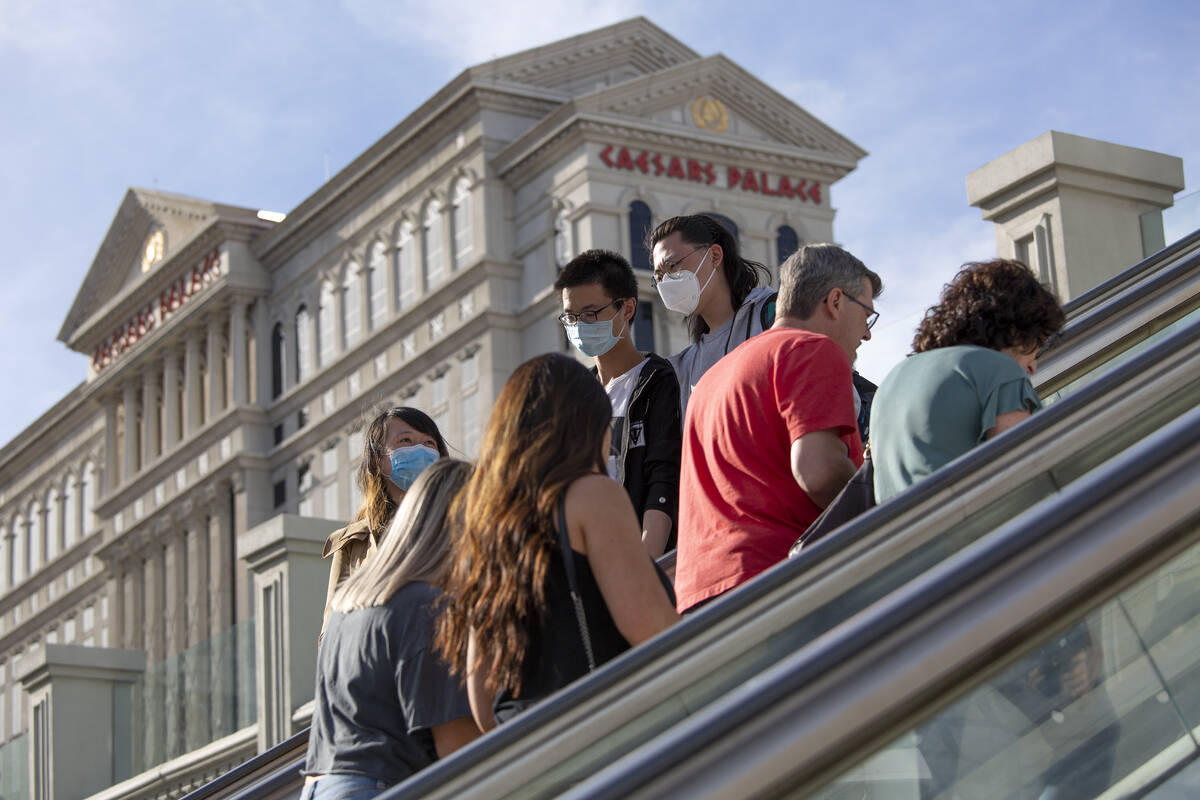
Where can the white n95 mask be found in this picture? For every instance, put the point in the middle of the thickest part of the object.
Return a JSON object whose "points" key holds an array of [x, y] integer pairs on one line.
{"points": [[680, 291]]}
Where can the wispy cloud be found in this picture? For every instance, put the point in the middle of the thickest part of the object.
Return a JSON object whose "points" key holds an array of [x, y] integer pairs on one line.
{"points": [[469, 32]]}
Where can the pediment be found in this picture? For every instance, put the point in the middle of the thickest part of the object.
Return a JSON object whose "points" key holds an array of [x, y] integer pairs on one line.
{"points": [[149, 227], [593, 60], [716, 97]]}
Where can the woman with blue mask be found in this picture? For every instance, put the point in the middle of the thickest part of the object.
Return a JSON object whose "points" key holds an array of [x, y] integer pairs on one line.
{"points": [[398, 445], [599, 302]]}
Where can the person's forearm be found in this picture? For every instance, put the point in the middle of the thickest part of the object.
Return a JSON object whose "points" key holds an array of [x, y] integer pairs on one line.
{"points": [[656, 531], [823, 489]]}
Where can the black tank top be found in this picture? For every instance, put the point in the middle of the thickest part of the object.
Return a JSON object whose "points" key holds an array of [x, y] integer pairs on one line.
{"points": [[555, 654]]}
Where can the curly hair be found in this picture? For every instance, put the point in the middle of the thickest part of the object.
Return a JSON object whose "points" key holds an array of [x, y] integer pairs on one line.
{"points": [[546, 430], [996, 304]]}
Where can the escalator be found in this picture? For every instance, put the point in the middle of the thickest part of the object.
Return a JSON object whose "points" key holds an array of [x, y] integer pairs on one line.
{"points": [[734, 641], [1057, 657]]}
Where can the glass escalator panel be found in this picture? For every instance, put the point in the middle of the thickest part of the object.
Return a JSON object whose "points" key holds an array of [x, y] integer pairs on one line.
{"points": [[1106, 707]]}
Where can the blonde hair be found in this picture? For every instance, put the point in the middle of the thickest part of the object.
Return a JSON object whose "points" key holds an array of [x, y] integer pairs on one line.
{"points": [[416, 546]]}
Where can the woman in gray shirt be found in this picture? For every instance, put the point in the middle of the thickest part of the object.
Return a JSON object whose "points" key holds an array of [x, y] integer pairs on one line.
{"points": [[386, 705]]}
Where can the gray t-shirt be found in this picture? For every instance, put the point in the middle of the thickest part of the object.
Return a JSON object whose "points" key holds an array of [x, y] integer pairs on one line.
{"points": [[694, 360], [381, 687], [935, 406]]}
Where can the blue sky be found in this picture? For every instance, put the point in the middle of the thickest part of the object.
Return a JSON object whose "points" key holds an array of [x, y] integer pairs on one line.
{"points": [[243, 102]]}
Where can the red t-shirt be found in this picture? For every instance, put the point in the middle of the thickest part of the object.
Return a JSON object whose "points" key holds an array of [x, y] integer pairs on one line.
{"points": [[740, 508]]}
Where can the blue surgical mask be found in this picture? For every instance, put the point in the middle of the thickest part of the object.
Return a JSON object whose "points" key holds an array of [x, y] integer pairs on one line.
{"points": [[409, 462], [594, 338]]}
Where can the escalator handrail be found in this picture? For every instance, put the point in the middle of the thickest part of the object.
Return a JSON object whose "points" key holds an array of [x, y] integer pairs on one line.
{"points": [[925, 593], [1127, 275], [1079, 327], [249, 767], [620, 669]]}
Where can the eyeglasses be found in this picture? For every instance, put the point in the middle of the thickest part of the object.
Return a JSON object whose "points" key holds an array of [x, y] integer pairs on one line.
{"points": [[872, 316], [589, 315], [671, 267]]}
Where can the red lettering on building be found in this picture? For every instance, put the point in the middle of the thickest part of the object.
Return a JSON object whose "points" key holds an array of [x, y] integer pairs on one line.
{"points": [[685, 169], [169, 301]]}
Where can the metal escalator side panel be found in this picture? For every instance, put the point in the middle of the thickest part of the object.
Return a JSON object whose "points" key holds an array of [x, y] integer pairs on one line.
{"points": [[825, 707]]}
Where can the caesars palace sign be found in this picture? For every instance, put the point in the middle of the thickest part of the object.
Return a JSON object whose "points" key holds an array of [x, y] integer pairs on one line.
{"points": [[169, 301], [687, 169]]}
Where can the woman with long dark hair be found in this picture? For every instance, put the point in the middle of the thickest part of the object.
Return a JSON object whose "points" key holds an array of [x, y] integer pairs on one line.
{"points": [[385, 706], [969, 378], [398, 444], [700, 272], [528, 615]]}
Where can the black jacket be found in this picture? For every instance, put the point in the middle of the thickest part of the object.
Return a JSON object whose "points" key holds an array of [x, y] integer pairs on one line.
{"points": [[654, 442]]}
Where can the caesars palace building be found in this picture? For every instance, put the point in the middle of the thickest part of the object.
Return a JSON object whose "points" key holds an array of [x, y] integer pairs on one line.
{"points": [[161, 523]]}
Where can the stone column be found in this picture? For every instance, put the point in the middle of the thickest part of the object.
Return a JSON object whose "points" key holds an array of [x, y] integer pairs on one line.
{"points": [[284, 555], [261, 324], [114, 590], [177, 679], [79, 700], [221, 580], [170, 393], [134, 605], [110, 447], [364, 299], [237, 349], [150, 387], [192, 386], [198, 717], [155, 692], [215, 359], [130, 465]]}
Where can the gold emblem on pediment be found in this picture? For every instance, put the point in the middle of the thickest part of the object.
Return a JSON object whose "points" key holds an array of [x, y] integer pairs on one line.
{"points": [[710, 114], [152, 252]]}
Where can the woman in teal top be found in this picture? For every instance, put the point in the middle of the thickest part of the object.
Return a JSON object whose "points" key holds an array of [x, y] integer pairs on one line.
{"points": [[969, 377]]}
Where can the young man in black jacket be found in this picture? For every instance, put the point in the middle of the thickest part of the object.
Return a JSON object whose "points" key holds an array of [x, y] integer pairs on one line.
{"points": [[599, 300]]}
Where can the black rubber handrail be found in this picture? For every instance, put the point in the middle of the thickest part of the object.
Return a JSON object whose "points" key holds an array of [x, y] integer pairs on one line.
{"points": [[1125, 276], [721, 719], [781, 574], [249, 767]]}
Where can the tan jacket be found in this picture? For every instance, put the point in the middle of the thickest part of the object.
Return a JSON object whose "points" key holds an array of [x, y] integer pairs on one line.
{"points": [[349, 547]]}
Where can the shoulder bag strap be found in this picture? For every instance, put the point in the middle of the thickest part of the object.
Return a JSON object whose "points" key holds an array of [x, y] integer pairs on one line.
{"points": [[564, 543]]}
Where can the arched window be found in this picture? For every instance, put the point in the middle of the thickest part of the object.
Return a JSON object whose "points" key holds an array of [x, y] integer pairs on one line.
{"points": [[351, 308], [277, 360], [562, 239], [643, 326], [87, 498], [461, 220], [433, 244], [325, 343], [729, 224], [16, 551], [70, 512], [786, 242], [51, 536], [639, 227], [377, 284], [406, 267], [33, 539], [302, 330]]}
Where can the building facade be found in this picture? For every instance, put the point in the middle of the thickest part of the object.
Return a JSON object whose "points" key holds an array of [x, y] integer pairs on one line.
{"points": [[234, 360]]}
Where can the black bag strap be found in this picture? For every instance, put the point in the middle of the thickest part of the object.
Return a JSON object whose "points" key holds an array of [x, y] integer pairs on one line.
{"points": [[564, 543]]}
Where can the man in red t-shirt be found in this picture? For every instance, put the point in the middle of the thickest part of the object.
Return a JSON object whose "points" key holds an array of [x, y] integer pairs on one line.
{"points": [[771, 432]]}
